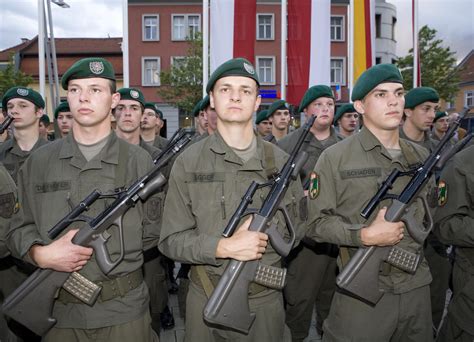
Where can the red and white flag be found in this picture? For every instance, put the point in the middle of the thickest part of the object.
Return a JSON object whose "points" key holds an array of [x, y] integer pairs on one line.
{"points": [[233, 29], [309, 46]]}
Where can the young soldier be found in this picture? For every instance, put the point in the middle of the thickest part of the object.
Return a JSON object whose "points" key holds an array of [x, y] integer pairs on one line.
{"points": [[200, 119], [440, 125], [454, 225], [264, 126], [128, 115], [60, 175], [43, 126], [151, 125], [347, 176], [223, 165], [347, 120], [26, 107], [421, 105], [279, 115], [64, 118], [210, 114], [316, 284]]}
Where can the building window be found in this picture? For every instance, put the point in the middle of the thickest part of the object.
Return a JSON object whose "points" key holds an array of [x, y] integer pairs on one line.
{"points": [[151, 71], [266, 69], [151, 24], [394, 24], [178, 61], [449, 105], [185, 26], [265, 26], [337, 28], [378, 60], [378, 25], [469, 98], [337, 71]]}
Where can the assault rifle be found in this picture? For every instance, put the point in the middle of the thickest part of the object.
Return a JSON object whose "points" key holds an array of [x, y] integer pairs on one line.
{"points": [[5, 124], [360, 276], [31, 304], [228, 304]]}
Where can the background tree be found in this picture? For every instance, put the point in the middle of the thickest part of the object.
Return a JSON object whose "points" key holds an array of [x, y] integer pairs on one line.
{"points": [[181, 85], [438, 65], [9, 77]]}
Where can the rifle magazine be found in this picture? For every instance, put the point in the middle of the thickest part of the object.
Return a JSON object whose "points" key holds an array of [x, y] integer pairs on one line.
{"points": [[82, 288], [270, 276], [404, 260]]}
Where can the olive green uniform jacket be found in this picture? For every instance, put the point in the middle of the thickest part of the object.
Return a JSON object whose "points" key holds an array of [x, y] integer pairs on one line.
{"points": [[350, 173], [428, 142], [160, 142], [206, 186], [56, 178], [8, 199], [13, 157], [455, 225]]}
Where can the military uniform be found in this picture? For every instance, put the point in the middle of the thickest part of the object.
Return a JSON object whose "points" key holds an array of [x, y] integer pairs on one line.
{"points": [[349, 174], [56, 178], [160, 142], [455, 225], [316, 284], [207, 183]]}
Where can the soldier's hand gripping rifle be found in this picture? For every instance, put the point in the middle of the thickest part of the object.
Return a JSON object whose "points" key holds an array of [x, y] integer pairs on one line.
{"points": [[5, 124], [360, 276], [228, 304], [32, 302]]}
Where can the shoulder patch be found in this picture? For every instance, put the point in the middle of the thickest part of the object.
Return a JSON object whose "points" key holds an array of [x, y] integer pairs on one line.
{"points": [[7, 205], [314, 186], [442, 193]]}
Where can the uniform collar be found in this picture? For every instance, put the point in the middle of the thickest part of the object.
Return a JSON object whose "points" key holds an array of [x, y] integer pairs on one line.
{"points": [[16, 150]]}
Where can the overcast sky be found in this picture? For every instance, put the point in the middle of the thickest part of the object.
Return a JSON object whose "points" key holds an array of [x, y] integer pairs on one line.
{"points": [[453, 19]]}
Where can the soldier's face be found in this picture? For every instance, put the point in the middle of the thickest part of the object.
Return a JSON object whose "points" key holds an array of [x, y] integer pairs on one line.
{"points": [[441, 125], [323, 108], [264, 128], [202, 120], [91, 101], [149, 119], [349, 122], [383, 106], [280, 119], [128, 114], [235, 99], [65, 121], [422, 116], [24, 113]]}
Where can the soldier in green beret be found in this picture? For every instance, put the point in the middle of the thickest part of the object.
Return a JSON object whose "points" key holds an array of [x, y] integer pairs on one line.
{"points": [[151, 125], [316, 284], [421, 105], [347, 120], [63, 117], [348, 174], [440, 125], [44, 126], [279, 116], [200, 119], [454, 222], [206, 185], [210, 114], [59, 176], [263, 125]]}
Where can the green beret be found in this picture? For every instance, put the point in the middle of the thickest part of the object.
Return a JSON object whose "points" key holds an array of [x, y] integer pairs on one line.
{"points": [[233, 67], [25, 94], [262, 115], [439, 115], [205, 102], [313, 93], [133, 94], [88, 68], [152, 106], [279, 104], [372, 77], [45, 119], [420, 95], [196, 109], [63, 107], [345, 108]]}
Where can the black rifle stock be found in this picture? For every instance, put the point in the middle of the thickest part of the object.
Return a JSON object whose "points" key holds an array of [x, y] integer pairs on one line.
{"points": [[5, 124], [31, 304], [359, 277], [228, 304]]}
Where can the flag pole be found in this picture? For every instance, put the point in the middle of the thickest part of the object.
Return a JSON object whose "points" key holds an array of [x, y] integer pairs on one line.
{"points": [[415, 43], [205, 46], [283, 50], [351, 48]]}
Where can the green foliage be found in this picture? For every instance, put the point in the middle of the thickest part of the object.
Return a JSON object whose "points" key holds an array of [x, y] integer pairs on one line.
{"points": [[438, 65], [181, 85], [10, 77]]}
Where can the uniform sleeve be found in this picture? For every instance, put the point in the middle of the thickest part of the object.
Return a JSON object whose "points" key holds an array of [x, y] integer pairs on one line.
{"points": [[324, 224], [180, 240], [453, 220], [8, 199], [23, 232]]}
